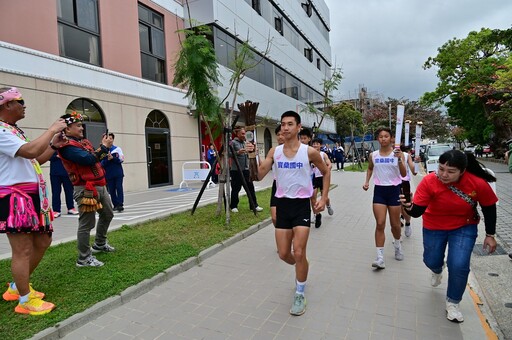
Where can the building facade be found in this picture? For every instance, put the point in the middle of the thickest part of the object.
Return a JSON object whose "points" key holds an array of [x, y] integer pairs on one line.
{"points": [[112, 61], [291, 73]]}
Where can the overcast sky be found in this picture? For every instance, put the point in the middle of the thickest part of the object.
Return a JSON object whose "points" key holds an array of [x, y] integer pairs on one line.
{"points": [[383, 44]]}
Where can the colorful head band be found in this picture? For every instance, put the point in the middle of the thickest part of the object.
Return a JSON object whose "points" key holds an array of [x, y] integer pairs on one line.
{"points": [[73, 117], [10, 95]]}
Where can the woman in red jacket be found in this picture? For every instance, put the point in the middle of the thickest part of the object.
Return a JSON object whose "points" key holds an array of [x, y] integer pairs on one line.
{"points": [[447, 200]]}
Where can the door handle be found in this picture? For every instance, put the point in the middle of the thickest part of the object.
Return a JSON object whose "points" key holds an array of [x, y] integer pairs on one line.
{"points": [[150, 155]]}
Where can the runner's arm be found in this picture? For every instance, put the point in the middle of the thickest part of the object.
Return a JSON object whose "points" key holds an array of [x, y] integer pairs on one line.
{"points": [[266, 165], [369, 172], [316, 159], [410, 162]]}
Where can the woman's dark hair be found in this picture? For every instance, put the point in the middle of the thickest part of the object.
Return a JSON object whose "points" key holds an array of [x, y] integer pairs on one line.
{"points": [[465, 161], [278, 129]]}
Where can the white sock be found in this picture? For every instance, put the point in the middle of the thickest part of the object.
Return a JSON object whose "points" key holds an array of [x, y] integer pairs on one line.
{"points": [[397, 244], [13, 285], [24, 298], [380, 252], [300, 287]]}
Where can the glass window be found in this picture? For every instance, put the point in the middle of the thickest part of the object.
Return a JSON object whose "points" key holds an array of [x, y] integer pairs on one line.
{"points": [[65, 10], [143, 14], [88, 109], [264, 72], [144, 38], [152, 68], [157, 41], [152, 44], [268, 73], [308, 53], [256, 6], [280, 80], [78, 45], [87, 14], [158, 20], [79, 30], [221, 51], [278, 24]]}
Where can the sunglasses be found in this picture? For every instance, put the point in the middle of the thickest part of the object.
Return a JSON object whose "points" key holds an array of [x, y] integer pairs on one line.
{"points": [[21, 101]]}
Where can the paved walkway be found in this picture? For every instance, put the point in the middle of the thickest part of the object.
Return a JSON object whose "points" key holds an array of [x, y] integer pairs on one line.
{"points": [[244, 291]]}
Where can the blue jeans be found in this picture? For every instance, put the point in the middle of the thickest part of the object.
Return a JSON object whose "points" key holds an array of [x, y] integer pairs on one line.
{"points": [[460, 245]]}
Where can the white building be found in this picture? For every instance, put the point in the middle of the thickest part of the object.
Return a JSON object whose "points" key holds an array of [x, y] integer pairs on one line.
{"points": [[298, 62]]}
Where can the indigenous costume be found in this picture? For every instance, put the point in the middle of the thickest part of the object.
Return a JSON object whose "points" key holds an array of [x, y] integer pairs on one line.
{"points": [[82, 162], [86, 175], [22, 184]]}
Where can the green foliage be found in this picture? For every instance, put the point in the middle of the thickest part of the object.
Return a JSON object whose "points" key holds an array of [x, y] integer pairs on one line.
{"points": [[329, 85], [468, 112], [435, 124], [196, 69], [142, 251], [475, 73], [348, 120]]}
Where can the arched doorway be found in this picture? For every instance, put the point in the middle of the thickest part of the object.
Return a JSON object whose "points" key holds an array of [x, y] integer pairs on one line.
{"points": [[94, 119], [158, 149], [267, 139]]}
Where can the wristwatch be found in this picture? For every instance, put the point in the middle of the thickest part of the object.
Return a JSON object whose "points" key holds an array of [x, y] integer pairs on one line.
{"points": [[53, 146]]}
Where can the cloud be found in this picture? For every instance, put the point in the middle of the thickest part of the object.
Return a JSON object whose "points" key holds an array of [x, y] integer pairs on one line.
{"points": [[384, 44]]}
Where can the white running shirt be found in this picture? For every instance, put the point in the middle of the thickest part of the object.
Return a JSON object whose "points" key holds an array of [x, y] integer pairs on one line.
{"points": [[385, 169], [293, 176], [316, 171]]}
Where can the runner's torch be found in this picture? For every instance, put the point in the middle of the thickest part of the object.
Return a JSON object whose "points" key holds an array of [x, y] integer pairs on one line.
{"points": [[406, 139], [417, 145], [399, 125]]}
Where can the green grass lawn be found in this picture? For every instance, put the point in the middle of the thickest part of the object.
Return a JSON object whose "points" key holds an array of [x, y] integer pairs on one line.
{"points": [[355, 167], [142, 251]]}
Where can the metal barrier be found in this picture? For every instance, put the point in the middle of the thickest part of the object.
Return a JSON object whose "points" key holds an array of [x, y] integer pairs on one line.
{"points": [[196, 171]]}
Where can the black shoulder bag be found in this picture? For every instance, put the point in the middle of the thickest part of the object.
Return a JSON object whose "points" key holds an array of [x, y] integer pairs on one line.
{"points": [[468, 199]]}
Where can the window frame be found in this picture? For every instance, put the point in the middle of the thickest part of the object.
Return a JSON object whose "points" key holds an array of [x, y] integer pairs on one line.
{"points": [[152, 28], [74, 26]]}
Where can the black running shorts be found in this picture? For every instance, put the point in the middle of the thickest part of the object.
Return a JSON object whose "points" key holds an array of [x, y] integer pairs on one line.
{"points": [[293, 212]]}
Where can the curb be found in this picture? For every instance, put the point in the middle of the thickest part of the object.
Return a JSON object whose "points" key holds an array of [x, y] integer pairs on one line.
{"points": [[76, 321]]}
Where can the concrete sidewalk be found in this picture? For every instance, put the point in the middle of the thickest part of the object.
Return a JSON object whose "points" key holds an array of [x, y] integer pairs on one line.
{"points": [[245, 292]]}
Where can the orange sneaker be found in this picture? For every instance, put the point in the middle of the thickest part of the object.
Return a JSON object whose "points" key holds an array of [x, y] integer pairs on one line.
{"points": [[13, 294], [34, 306]]}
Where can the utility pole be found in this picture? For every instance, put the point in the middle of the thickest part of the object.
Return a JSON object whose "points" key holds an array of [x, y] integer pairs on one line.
{"points": [[389, 110]]}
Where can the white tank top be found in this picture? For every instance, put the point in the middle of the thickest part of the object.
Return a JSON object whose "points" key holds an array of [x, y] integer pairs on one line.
{"points": [[316, 171], [407, 176], [293, 176], [385, 169]]}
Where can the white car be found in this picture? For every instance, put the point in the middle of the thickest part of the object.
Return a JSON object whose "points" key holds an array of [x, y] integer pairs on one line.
{"points": [[470, 148], [432, 156]]}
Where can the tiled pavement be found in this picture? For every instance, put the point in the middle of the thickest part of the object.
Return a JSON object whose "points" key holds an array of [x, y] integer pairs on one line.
{"points": [[245, 291]]}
